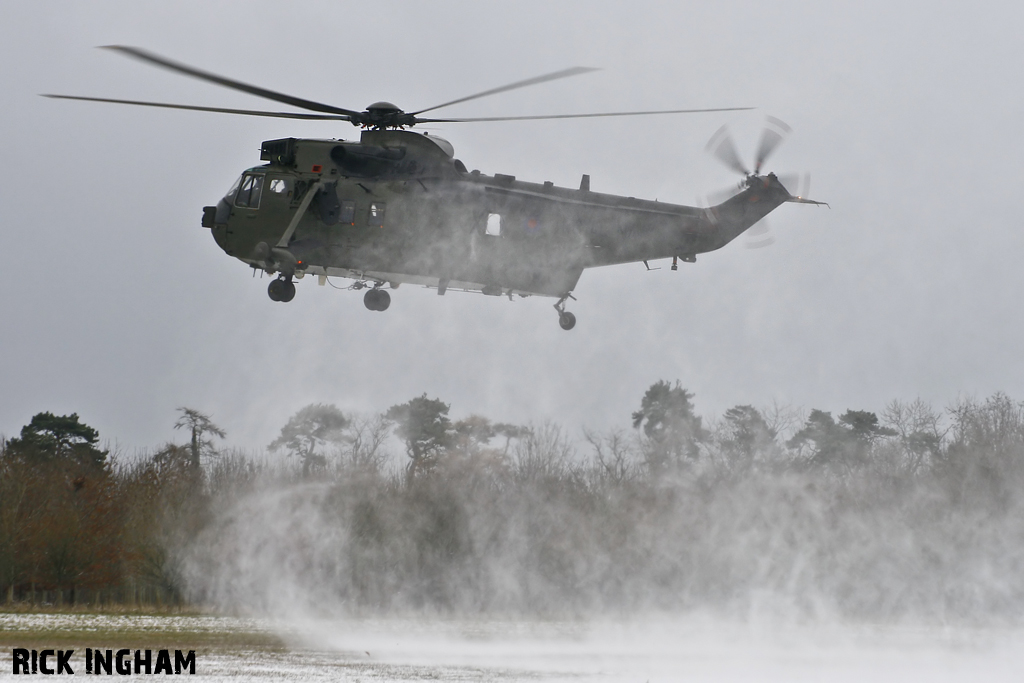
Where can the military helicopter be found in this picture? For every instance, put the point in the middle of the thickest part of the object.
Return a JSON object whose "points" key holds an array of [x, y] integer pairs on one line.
{"points": [[397, 206]]}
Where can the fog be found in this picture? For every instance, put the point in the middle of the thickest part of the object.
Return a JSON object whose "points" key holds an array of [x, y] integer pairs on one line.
{"points": [[793, 546], [860, 530]]}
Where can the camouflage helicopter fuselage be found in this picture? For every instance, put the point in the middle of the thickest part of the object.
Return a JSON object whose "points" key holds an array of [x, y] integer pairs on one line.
{"points": [[397, 207]]}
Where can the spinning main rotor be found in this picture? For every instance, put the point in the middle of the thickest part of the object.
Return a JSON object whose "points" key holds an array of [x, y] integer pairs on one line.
{"points": [[378, 116]]}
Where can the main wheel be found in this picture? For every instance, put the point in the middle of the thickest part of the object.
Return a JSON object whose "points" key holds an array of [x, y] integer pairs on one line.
{"points": [[275, 290], [376, 300], [566, 320], [370, 299], [287, 290]]}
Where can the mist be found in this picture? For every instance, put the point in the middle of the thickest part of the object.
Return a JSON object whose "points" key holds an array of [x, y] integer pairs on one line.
{"points": [[550, 526], [415, 543]]}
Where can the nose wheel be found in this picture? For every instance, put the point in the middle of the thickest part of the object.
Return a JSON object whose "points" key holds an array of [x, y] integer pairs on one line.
{"points": [[281, 289], [377, 299], [566, 320]]}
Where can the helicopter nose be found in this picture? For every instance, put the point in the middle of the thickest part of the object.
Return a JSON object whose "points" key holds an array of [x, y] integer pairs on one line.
{"points": [[220, 236]]}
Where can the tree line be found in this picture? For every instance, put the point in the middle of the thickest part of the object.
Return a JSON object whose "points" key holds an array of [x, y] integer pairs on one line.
{"points": [[909, 511]]}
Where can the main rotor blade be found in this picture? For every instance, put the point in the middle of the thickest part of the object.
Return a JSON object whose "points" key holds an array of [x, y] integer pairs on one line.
{"points": [[579, 116], [564, 73], [772, 135], [221, 110], [145, 56], [724, 149]]}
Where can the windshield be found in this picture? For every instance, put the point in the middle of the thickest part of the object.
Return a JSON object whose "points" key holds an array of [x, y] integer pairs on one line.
{"points": [[234, 188], [250, 191]]}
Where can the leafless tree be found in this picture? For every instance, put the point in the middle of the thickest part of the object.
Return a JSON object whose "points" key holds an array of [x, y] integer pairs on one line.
{"points": [[364, 449], [617, 454], [919, 432], [201, 428]]}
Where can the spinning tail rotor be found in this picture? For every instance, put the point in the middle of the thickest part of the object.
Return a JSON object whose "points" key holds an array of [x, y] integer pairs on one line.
{"points": [[722, 147]]}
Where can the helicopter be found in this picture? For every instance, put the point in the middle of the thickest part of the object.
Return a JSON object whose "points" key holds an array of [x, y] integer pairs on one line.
{"points": [[398, 207]]}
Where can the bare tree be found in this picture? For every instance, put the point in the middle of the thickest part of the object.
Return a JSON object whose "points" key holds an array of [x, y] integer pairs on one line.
{"points": [[919, 431], [543, 452], [616, 454], [365, 449], [985, 457], [783, 419], [201, 428]]}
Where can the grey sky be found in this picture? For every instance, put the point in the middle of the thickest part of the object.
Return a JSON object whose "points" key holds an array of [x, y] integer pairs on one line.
{"points": [[118, 306]]}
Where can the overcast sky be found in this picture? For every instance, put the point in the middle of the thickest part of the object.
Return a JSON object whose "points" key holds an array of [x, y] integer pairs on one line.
{"points": [[117, 305]]}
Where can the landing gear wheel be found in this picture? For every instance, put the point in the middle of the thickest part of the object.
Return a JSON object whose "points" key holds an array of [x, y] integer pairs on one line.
{"points": [[274, 290], [376, 299], [281, 290], [566, 320]]}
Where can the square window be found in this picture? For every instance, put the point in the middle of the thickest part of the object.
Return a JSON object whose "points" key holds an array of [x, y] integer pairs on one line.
{"points": [[348, 213], [493, 224], [376, 216]]}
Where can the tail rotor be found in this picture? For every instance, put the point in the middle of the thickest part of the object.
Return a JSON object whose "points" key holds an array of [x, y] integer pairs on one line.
{"points": [[775, 131], [723, 147]]}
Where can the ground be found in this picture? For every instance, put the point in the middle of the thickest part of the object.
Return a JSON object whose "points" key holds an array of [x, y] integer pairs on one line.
{"points": [[678, 649]]}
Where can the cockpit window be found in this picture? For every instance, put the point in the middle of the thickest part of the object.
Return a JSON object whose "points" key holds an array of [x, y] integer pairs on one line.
{"points": [[234, 188], [278, 186], [250, 191]]}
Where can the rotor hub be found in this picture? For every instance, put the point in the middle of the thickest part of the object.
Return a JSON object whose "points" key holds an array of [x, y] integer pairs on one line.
{"points": [[383, 107], [382, 115]]}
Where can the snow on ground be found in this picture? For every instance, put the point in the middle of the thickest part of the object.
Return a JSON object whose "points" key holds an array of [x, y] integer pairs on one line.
{"points": [[684, 649]]}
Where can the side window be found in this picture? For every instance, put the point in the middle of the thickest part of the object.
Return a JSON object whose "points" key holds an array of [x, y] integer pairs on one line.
{"points": [[348, 213], [250, 191], [376, 217], [493, 224], [278, 186]]}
